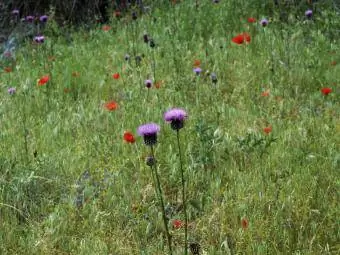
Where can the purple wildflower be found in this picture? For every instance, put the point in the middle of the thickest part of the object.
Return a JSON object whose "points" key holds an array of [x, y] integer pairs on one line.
{"points": [[43, 18], [309, 13], [15, 12], [146, 38], [39, 39], [29, 18], [134, 15], [148, 83], [152, 43], [150, 160], [138, 59], [149, 132], [11, 91], [264, 22], [197, 70], [213, 77], [176, 117]]}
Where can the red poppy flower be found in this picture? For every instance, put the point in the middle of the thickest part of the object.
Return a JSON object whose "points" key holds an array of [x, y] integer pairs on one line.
{"points": [[326, 91], [241, 38], [106, 28], [251, 20], [158, 84], [116, 76], [128, 137], [43, 80], [111, 106], [244, 223], [268, 129], [197, 63], [177, 224], [8, 69], [265, 93]]}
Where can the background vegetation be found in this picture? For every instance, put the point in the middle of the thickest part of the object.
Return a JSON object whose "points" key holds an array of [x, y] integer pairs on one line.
{"points": [[260, 146]]}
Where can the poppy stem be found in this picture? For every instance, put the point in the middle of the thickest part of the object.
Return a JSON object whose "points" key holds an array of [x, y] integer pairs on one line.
{"points": [[183, 196], [160, 195]]}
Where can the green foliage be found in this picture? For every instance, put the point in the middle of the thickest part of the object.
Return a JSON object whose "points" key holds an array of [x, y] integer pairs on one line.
{"points": [[70, 184]]}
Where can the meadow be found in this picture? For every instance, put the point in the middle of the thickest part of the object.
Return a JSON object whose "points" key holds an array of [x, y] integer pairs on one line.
{"points": [[258, 150]]}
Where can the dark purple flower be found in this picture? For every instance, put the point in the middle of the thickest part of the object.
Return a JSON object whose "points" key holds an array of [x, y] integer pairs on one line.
{"points": [[149, 132], [43, 18], [215, 1], [152, 43], [197, 70], [148, 83], [134, 15], [39, 39], [146, 38], [264, 22], [150, 160], [127, 57], [309, 13], [15, 12], [29, 18], [11, 91], [176, 117], [138, 59], [213, 77]]}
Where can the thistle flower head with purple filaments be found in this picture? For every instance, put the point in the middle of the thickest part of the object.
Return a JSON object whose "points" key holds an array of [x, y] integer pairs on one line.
{"points": [[213, 77], [197, 70], [309, 13], [149, 132], [148, 83], [176, 117], [264, 22], [11, 91], [43, 18], [39, 39], [29, 18], [15, 12]]}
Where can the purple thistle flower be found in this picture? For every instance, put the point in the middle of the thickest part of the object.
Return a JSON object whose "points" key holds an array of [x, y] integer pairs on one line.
{"points": [[148, 83], [134, 15], [11, 91], [213, 77], [197, 70], [264, 22], [150, 160], [149, 132], [309, 13], [176, 117], [43, 18], [39, 39], [138, 59], [152, 43], [15, 12], [146, 38], [29, 18]]}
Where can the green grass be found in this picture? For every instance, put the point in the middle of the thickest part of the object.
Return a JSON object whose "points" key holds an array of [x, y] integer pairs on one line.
{"points": [[285, 184]]}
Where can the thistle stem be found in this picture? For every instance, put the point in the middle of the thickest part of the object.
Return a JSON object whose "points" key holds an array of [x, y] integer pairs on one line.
{"points": [[160, 195], [183, 197]]}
